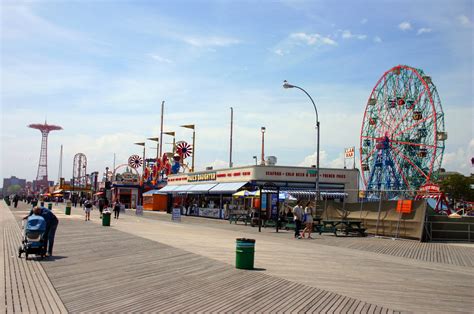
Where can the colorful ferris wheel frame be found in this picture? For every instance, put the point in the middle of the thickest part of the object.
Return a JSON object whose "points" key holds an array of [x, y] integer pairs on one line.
{"points": [[402, 137]]}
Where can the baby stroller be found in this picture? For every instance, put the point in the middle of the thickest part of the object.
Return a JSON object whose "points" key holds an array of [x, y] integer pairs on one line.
{"points": [[34, 241]]}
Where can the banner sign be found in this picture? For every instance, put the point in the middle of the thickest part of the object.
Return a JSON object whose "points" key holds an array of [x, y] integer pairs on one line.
{"points": [[176, 214], [210, 176], [349, 152], [404, 206], [139, 210]]}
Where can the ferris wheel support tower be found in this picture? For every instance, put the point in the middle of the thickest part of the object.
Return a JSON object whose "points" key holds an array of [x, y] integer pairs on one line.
{"points": [[42, 173]]}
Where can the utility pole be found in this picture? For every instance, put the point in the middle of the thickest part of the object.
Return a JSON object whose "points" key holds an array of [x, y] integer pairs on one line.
{"points": [[161, 127], [231, 131]]}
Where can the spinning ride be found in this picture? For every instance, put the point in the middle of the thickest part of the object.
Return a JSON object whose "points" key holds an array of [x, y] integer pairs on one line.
{"points": [[403, 136]]}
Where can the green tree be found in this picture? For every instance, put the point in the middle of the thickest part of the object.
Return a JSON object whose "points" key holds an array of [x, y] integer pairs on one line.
{"points": [[14, 189], [458, 187]]}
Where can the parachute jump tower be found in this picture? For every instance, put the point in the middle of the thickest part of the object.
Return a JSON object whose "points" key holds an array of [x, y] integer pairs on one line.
{"points": [[42, 174]]}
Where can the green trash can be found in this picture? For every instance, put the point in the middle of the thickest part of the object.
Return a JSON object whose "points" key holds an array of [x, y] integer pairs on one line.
{"points": [[106, 218], [68, 208], [50, 206], [244, 253]]}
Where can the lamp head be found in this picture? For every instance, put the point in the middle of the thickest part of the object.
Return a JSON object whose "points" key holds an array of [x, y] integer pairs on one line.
{"points": [[263, 129], [287, 85], [254, 157]]}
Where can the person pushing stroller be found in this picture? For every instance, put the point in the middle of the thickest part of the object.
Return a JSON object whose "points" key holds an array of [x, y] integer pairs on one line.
{"points": [[51, 226]]}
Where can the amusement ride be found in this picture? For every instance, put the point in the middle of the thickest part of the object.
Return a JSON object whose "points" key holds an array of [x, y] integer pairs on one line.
{"points": [[403, 136]]}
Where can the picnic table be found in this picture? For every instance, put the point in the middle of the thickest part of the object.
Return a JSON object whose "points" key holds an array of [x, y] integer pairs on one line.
{"points": [[234, 217], [345, 226]]}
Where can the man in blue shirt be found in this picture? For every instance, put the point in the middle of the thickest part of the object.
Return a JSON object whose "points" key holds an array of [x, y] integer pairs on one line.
{"points": [[51, 225]]}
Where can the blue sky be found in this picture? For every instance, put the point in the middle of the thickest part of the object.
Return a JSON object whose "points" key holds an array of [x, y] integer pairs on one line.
{"points": [[100, 69]]}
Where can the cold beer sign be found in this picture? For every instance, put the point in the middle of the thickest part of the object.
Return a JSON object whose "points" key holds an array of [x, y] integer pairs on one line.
{"points": [[349, 154]]}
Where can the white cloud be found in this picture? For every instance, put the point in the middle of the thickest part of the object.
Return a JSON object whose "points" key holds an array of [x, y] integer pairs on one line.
{"points": [[347, 34], [423, 30], [324, 161], [216, 164], [160, 59], [312, 39], [460, 160], [404, 26], [364, 21], [212, 41], [279, 52], [464, 20], [377, 39]]}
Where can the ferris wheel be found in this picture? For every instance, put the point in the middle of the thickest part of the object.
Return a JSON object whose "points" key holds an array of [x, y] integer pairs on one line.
{"points": [[403, 136]]}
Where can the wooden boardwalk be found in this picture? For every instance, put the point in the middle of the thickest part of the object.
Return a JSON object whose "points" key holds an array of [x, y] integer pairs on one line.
{"points": [[429, 252], [25, 285], [99, 269]]}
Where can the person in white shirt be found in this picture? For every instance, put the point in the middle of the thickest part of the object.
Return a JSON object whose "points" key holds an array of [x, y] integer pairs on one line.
{"points": [[297, 217]]}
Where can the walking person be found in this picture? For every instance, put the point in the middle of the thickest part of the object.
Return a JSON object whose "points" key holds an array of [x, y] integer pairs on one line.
{"points": [[117, 207], [87, 209], [101, 206], [297, 217], [308, 221], [15, 201]]}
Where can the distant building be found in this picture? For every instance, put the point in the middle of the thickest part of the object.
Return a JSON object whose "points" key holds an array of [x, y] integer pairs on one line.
{"points": [[7, 182]]}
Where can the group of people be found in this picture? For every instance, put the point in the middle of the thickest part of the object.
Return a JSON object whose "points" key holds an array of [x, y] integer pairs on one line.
{"points": [[101, 204], [303, 215]]}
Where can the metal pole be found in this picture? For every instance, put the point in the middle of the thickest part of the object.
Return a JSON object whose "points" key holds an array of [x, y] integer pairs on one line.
{"points": [[278, 209], [287, 85], [231, 131], [194, 147], [378, 217], [161, 127], [60, 172], [262, 162], [260, 211], [317, 157]]}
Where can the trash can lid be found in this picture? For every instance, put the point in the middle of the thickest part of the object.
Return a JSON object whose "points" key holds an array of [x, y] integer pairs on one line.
{"points": [[245, 240]]}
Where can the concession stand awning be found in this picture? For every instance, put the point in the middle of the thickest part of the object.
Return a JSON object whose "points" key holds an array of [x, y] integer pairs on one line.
{"points": [[225, 188]]}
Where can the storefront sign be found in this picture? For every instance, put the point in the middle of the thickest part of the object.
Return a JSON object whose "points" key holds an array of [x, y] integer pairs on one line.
{"points": [[210, 212], [210, 176], [176, 214], [139, 211]]}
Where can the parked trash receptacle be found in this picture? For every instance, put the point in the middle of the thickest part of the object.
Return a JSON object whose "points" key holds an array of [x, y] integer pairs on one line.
{"points": [[68, 208], [244, 253], [106, 218], [50, 206]]}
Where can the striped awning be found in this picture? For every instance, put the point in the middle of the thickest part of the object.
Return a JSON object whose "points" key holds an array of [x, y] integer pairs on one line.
{"points": [[298, 193], [228, 187]]}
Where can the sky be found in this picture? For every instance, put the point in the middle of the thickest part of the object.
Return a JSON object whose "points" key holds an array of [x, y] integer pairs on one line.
{"points": [[101, 69]]}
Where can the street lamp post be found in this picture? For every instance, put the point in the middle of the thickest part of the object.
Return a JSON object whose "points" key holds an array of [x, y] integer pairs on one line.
{"points": [[288, 85], [140, 199], [262, 162]]}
